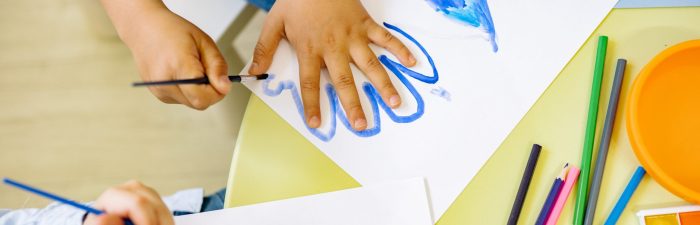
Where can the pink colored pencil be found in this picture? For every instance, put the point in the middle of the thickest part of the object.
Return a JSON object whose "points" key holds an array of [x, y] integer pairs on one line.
{"points": [[563, 195]]}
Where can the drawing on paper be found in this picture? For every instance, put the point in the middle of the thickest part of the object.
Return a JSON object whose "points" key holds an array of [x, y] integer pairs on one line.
{"points": [[375, 99], [473, 13]]}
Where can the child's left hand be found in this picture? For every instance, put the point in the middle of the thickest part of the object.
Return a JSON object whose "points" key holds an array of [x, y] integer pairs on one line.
{"points": [[131, 200], [330, 34]]}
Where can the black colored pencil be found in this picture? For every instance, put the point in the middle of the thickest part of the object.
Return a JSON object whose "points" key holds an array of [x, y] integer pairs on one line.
{"points": [[524, 184]]}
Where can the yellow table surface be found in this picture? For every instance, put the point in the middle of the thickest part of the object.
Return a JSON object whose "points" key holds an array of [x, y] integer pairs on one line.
{"points": [[273, 161]]}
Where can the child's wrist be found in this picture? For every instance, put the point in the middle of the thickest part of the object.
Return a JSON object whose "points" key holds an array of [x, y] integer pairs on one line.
{"points": [[127, 15]]}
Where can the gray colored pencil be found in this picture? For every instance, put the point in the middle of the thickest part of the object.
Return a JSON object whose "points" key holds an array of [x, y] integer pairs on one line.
{"points": [[605, 142]]}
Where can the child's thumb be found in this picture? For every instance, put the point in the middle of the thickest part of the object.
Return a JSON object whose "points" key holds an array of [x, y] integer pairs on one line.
{"points": [[270, 36], [103, 219]]}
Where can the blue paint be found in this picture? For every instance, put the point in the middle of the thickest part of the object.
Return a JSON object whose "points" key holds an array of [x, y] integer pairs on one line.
{"points": [[474, 13], [444, 4], [289, 85], [442, 93], [375, 99]]}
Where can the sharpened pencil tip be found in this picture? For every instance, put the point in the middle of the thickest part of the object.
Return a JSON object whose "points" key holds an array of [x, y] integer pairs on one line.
{"points": [[564, 172]]}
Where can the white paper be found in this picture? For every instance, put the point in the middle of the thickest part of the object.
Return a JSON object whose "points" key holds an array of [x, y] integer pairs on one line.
{"points": [[489, 91], [391, 203]]}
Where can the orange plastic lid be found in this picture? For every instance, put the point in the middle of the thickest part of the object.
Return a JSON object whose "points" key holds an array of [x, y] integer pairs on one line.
{"points": [[663, 119]]}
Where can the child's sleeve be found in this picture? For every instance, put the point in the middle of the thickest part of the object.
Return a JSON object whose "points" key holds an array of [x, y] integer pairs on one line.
{"points": [[189, 201], [54, 214]]}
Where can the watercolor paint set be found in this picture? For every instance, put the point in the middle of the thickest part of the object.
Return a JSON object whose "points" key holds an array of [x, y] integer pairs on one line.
{"points": [[685, 215]]}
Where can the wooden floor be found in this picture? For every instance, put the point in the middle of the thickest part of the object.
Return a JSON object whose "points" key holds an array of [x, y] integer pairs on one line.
{"points": [[71, 123]]}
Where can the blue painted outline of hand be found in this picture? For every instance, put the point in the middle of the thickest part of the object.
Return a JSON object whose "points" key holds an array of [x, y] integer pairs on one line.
{"points": [[374, 98]]}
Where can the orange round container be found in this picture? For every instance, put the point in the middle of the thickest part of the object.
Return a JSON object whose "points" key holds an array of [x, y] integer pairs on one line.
{"points": [[663, 119]]}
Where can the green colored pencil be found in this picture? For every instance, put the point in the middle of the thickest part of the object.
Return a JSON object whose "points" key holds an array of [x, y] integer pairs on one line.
{"points": [[582, 194]]}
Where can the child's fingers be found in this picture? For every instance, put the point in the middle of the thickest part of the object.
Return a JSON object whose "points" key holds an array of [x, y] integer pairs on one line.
{"points": [[199, 96], [341, 76], [169, 94], [365, 59], [309, 78], [272, 33], [214, 64], [121, 202], [104, 219], [162, 212], [380, 36]]}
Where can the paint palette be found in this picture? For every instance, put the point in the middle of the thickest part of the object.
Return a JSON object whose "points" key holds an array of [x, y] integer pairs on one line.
{"points": [[686, 215], [663, 121]]}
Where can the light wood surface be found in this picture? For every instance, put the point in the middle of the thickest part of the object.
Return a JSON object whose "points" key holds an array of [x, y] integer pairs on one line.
{"points": [[71, 123]]}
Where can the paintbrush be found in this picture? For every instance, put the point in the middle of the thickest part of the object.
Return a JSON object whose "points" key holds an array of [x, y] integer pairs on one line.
{"points": [[201, 80]]}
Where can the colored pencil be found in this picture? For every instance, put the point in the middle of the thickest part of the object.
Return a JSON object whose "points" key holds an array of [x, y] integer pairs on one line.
{"points": [[524, 184], [626, 196], [552, 196], [57, 198], [563, 195], [582, 193], [605, 142], [201, 80]]}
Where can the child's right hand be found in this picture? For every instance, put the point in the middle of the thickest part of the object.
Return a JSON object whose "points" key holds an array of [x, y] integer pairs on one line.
{"points": [[131, 200], [167, 47]]}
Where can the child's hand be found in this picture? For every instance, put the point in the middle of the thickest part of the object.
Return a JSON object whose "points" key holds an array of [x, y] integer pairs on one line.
{"points": [[131, 200], [166, 47], [330, 34]]}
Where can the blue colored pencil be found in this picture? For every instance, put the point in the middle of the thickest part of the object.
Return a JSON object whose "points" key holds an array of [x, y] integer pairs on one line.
{"points": [[552, 196], [625, 197], [57, 198]]}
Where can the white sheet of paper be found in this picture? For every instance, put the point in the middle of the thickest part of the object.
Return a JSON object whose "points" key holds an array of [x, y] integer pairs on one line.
{"points": [[480, 96], [390, 203]]}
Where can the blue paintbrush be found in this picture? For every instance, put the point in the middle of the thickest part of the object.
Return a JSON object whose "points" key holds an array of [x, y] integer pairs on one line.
{"points": [[57, 198]]}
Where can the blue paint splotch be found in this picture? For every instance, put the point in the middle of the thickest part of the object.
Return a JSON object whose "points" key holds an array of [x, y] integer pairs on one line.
{"points": [[442, 93], [473, 13], [376, 102]]}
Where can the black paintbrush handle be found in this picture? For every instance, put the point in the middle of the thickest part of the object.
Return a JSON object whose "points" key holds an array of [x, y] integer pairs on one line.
{"points": [[201, 80]]}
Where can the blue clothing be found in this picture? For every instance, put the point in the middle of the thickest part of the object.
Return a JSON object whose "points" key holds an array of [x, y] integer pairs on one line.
{"points": [[263, 4], [209, 203], [214, 201]]}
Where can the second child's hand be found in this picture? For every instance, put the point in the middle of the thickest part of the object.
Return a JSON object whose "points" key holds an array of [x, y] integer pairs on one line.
{"points": [[131, 200]]}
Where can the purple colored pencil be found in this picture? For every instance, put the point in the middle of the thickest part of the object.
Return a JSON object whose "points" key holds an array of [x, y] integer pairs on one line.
{"points": [[551, 197]]}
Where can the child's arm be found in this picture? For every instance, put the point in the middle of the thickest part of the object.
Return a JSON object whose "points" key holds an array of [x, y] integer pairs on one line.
{"points": [[53, 214], [330, 34], [165, 47], [131, 200]]}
